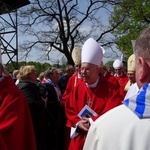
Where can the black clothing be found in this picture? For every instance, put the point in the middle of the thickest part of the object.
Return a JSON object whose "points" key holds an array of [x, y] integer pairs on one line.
{"points": [[62, 82], [58, 114], [40, 117]]}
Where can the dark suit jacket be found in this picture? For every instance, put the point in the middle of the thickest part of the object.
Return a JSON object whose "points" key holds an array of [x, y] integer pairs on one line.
{"points": [[43, 125]]}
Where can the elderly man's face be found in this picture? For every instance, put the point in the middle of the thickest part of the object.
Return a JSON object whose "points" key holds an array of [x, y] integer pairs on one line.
{"points": [[55, 76], [118, 71], [131, 76], [89, 72]]}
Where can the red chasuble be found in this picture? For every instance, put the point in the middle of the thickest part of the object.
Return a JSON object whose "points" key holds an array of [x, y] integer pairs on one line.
{"points": [[16, 129], [106, 96], [122, 80], [73, 81], [2, 144]]}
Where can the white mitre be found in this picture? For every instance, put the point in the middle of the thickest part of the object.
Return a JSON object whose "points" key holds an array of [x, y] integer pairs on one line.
{"points": [[91, 52], [117, 64]]}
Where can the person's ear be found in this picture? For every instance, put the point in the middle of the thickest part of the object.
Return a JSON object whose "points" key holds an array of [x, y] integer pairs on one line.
{"points": [[144, 69]]}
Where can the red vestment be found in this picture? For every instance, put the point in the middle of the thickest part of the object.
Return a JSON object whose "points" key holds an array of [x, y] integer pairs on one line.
{"points": [[16, 129], [106, 96], [73, 81], [111, 78], [122, 80], [2, 144]]}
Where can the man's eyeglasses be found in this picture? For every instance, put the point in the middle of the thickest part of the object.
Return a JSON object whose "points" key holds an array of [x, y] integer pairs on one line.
{"points": [[88, 69]]}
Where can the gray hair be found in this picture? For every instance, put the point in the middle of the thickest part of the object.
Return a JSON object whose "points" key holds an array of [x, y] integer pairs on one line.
{"points": [[48, 72], [142, 44]]}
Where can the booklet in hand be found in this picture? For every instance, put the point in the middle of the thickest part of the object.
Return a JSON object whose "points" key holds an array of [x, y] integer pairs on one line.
{"points": [[86, 111]]}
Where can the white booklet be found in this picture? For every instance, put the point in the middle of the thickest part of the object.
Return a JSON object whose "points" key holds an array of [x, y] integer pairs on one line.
{"points": [[86, 111]]}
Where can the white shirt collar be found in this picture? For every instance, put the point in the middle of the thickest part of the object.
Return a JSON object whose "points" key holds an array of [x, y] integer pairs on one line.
{"points": [[94, 84]]}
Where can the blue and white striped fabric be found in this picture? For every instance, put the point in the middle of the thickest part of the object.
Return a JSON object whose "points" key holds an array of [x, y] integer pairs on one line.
{"points": [[140, 103]]}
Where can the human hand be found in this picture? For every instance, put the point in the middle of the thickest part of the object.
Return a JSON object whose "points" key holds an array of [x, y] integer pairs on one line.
{"points": [[84, 124]]}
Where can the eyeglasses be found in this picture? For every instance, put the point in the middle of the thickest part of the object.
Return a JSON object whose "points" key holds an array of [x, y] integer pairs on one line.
{"points": [[88, 69]]}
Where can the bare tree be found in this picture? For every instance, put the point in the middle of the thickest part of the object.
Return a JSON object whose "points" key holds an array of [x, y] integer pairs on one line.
{"points": [[61, 24]]}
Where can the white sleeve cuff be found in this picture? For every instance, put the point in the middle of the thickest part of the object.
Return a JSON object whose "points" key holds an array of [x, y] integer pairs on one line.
{"points": [[73, 132], [90, 120]]}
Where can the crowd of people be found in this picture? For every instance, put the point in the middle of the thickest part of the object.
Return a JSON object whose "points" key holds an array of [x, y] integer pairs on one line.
{"points": [[86, 107]]}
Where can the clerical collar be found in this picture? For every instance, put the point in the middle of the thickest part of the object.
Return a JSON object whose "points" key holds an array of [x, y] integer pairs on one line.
{"points": [[94, 84], [79, 75]]}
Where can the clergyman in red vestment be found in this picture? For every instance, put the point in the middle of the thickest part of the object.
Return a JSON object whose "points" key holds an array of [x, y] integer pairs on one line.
{"points": [[91, 98]]}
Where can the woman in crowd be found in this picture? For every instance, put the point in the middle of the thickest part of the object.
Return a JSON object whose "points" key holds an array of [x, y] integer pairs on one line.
{"points": [[40, 118]]}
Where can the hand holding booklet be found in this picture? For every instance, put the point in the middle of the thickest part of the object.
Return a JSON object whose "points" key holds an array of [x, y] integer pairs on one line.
{"points": [[86, 111]]}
